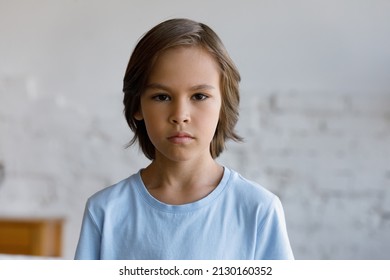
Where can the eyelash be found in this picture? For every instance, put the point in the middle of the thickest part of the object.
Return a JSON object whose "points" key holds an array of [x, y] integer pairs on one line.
{"points": [[200, 96], [160, 97], [165, 97]]}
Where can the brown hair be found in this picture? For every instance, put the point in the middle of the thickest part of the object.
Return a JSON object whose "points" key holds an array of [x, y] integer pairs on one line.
{"points": [[173, 33]]}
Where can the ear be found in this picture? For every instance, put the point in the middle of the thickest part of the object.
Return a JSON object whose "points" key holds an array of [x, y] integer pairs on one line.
{"points": [[138, 116]]}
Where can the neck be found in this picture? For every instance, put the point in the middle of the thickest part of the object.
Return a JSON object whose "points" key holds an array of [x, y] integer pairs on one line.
{"points": [[181, 174], [182, 182]]}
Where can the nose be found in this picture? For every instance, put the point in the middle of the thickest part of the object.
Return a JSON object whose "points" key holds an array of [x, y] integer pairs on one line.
{"points": [[180, 112]]}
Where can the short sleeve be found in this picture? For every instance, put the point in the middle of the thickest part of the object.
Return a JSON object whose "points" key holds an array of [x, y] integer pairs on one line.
{"points": [[272, 239], [88, 247]]}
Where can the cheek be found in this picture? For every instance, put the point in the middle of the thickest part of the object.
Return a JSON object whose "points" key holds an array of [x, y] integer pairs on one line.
{"points": [[154, 125], [210, 119], [218, 111], [152, 133], [149, 114]]}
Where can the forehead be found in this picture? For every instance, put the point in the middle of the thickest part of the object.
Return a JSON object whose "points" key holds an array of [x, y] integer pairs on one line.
{"points": [[184, 63]]}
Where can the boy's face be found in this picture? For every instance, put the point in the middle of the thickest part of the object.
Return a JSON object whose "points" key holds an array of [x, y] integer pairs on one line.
{"points": [[182, 103]]}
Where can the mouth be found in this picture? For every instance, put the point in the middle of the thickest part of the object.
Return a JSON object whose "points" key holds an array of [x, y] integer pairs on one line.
{"points": [[181, 138]]}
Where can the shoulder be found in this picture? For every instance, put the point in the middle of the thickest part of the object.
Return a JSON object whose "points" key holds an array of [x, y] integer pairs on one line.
{"points": [[115, 194], [250, 197], [250, 191]]}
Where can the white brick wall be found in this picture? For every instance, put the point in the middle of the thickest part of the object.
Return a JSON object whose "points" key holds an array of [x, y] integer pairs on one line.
{"points": [[328, 157], [57, 151]]}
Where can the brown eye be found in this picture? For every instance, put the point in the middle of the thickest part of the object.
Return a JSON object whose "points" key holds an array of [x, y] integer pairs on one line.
{"points": [[161, 97], [199, 96]]}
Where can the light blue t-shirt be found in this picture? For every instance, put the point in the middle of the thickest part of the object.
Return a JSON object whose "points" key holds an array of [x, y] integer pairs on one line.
{"points": [[238, 220]]}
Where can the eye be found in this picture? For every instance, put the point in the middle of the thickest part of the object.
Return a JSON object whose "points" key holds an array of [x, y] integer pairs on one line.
{"points": [[161, 97], [199, 96]]}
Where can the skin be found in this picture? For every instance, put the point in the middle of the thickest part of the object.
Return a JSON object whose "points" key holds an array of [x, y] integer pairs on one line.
{"points": [[181, 107]]}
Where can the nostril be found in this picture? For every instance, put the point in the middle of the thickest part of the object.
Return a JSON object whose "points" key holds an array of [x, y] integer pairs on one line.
{"points": [[179, 120]]}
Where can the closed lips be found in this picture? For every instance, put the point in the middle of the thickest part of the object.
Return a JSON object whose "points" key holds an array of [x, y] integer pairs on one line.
{"points": [[180, 138]]}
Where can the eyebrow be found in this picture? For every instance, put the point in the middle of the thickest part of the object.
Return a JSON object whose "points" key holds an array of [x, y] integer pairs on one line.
{"points": [[166, 88]]}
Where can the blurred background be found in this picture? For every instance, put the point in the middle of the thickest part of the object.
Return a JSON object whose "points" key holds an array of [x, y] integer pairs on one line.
{"points": [[315, 111]]}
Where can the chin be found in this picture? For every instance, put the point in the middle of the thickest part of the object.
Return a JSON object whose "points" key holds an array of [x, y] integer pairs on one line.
{"points": [[180, 157]]}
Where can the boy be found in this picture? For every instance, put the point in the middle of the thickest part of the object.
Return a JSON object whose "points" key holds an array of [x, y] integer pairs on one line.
{"points": [[181, 100]]}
